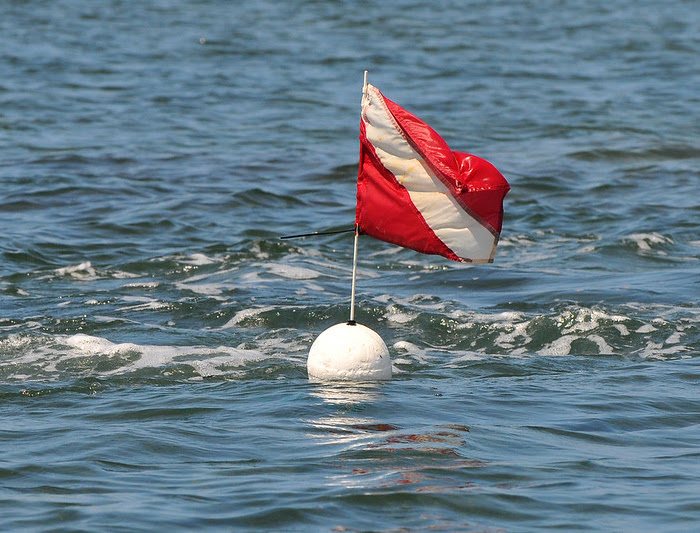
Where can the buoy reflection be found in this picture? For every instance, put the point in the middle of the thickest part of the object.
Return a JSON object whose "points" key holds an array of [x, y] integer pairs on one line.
{"points": [[379, 454], [347, 401], [347, 393]]}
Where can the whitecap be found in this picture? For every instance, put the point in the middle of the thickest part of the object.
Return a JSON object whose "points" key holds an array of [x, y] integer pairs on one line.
{"points": [[14, 341], [206, 289], [603, 347], [142, 303], [244, 314], [198, 259], [120, 274], [292, 272], [622, 329], [655, 350], [507, 339], [675, 338], [407, 349], [399, 317], [586, 320], [212, 361], [142, 285], [646, 328], [645, 241], [560, 346], [80, 270]]}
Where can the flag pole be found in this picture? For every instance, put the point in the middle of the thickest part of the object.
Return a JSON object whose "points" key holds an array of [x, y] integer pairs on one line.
{"points": [[354, 278], [357, 234]]}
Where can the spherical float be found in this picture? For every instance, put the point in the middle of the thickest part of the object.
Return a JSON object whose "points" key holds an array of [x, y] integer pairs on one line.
{"points": [[350, 352]]}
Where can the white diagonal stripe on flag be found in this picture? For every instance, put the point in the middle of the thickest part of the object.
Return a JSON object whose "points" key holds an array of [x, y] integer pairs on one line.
{"points": [[460, 232]]}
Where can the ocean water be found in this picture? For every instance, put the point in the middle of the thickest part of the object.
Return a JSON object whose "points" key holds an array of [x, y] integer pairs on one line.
{"points": [[154, 329]]}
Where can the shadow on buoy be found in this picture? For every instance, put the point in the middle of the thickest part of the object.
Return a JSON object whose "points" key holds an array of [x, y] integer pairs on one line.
{"points": [[349, 352]]}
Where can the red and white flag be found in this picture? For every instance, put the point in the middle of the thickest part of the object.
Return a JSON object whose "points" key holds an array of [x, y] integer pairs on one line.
{"points": [[412, 190]]}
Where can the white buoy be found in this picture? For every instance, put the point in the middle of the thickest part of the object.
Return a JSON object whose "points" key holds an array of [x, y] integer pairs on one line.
{"points": [[349, 352]]}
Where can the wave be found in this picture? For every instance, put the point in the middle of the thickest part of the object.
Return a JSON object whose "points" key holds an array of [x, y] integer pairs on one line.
{"points": [[424, 334], [44, 358], [649, 332]]}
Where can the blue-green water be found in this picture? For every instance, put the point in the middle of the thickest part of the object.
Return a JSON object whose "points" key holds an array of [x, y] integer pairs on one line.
{"points": [[154, 329]]}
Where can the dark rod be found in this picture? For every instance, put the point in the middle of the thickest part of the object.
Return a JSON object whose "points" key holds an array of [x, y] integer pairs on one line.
{"points": [[317, 233]]}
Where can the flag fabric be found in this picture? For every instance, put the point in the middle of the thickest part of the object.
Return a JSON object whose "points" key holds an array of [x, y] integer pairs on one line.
{"points": [[413, 191]]}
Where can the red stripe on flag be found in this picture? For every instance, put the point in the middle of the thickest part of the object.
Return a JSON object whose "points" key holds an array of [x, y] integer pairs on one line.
{"points": [[401, 223], [474, 182]]}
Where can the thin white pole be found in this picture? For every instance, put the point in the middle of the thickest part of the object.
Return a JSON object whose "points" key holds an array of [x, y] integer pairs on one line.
{"points": [[354, 276], [357, 234]]}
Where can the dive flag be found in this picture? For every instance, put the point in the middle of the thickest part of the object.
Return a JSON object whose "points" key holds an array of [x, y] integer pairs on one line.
{"points": [[412, 190]]}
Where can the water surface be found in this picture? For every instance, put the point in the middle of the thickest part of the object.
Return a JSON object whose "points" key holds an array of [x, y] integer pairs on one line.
{"points": [[154, 329]]}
